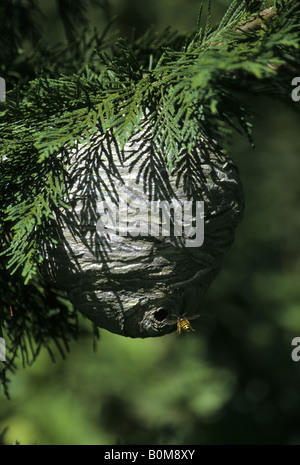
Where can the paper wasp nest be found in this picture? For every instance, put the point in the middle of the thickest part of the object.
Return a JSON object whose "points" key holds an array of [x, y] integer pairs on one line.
{"points": [[133, 284]]}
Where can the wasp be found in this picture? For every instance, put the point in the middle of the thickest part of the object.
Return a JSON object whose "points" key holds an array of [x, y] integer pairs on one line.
{"points": [[183, 323]]}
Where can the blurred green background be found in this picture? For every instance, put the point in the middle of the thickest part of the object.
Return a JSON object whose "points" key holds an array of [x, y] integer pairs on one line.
{"points": [[233, 381]]}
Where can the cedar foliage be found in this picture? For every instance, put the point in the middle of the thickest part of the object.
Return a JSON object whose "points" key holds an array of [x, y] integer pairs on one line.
{"points": [[185, 86]]}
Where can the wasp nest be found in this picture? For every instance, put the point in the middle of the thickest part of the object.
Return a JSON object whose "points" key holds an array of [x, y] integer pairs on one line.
{"points": [[136, 284]]}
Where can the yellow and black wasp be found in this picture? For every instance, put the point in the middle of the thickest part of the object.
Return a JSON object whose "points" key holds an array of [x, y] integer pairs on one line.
{"points": [[183, 323]]}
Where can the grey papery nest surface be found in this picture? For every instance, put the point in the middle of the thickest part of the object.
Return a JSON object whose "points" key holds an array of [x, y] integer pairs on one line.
{"points": [[136, 285]]}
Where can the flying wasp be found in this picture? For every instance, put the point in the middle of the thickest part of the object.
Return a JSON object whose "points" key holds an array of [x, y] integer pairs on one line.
{"points": [[183, 323]]}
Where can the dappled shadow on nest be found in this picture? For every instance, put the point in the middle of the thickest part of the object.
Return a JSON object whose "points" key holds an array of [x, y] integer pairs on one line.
{"points": [[117, 276]]}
